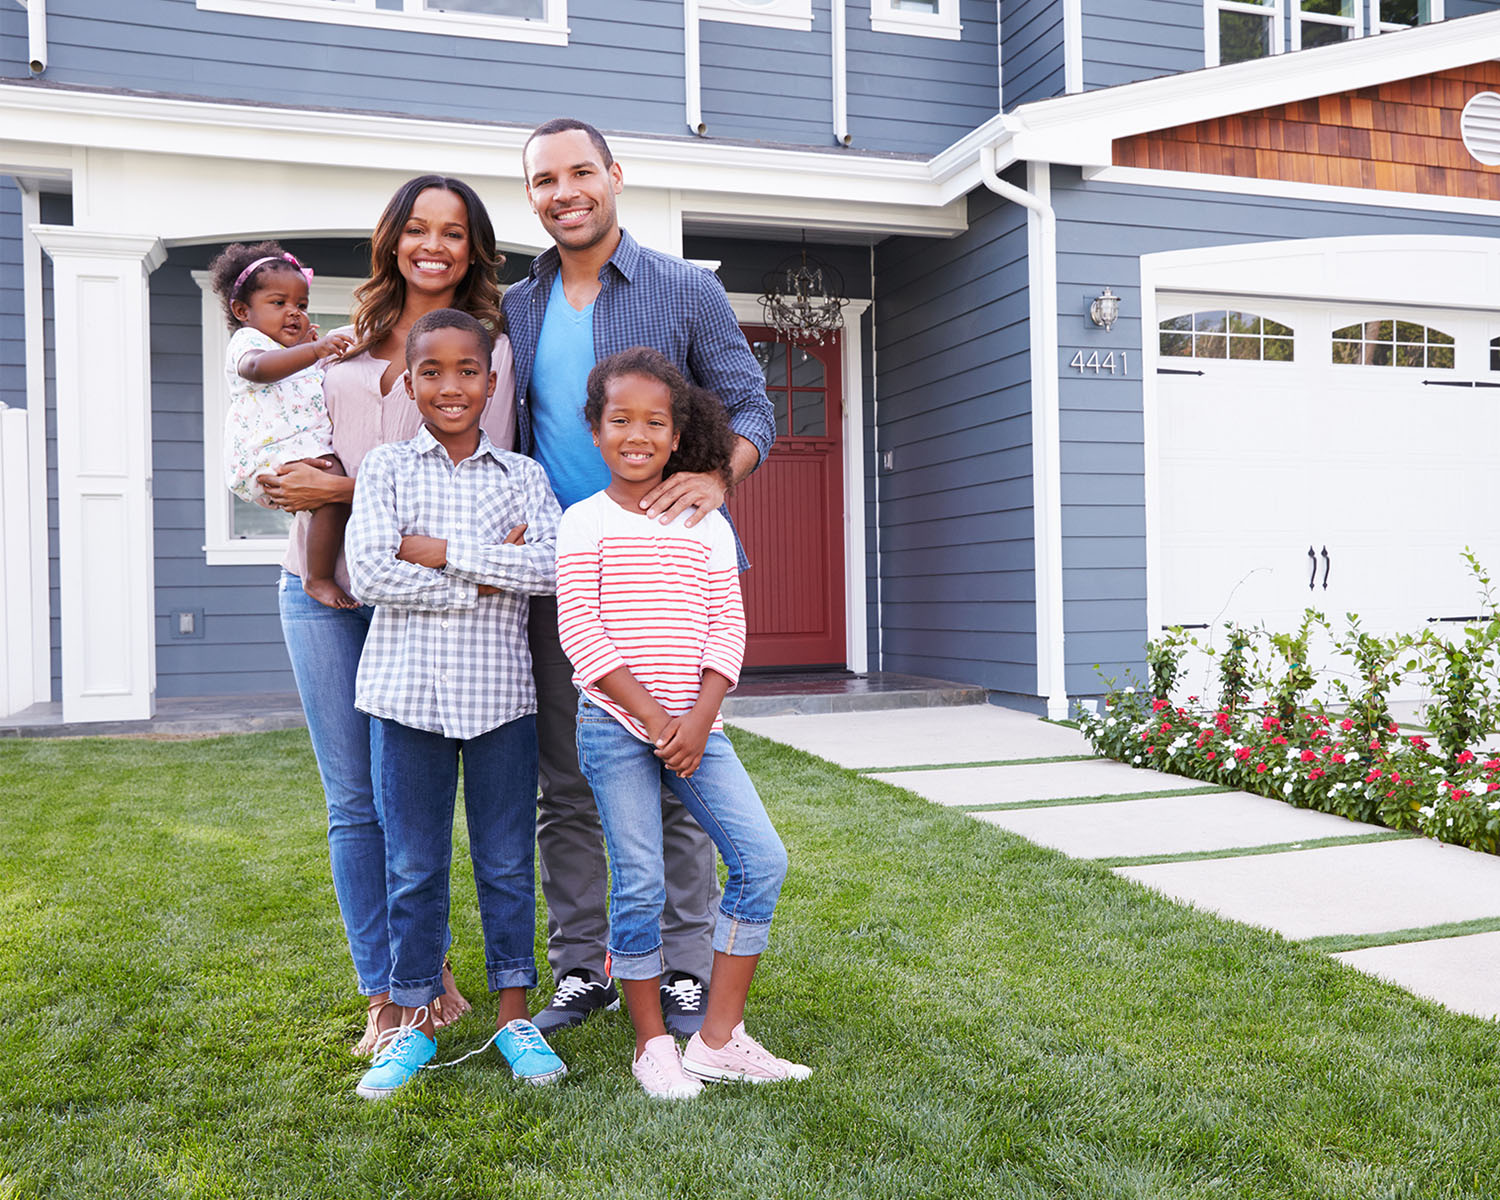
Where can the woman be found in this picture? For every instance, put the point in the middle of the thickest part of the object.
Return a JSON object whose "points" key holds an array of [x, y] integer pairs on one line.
{"points": [[433, 248]]}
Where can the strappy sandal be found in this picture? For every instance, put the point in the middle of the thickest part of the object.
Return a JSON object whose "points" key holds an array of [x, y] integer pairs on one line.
{"points": [[365, 1047], [441, 1017]]}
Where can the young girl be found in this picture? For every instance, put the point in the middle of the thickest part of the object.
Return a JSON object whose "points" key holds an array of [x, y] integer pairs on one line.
{"points": [[276, 410], [651, 618]]}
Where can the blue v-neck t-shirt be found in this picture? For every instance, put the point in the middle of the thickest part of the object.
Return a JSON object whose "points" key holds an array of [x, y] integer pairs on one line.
{"points": [[564, 445]]}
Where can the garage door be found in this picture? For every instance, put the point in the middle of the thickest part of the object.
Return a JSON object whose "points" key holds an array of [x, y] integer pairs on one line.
{"points": [[1333, 455]]}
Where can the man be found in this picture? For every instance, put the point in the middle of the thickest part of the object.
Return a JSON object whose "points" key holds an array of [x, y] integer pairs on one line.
{"points": [[595, 292]]}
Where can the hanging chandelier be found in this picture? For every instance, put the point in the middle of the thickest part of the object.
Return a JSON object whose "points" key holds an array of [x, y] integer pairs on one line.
{"points": [[804, 299]]}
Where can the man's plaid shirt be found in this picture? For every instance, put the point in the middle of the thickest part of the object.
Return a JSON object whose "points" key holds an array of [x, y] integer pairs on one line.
{"points": [[650, 299], [439, 656]]}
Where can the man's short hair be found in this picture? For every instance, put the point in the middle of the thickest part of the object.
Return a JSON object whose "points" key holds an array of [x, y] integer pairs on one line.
{"points": [[567, 125], [451, 318]]}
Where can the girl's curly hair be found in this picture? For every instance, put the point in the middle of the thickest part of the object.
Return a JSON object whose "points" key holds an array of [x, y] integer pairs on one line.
{"points": [[233, 259], [704, 439]]}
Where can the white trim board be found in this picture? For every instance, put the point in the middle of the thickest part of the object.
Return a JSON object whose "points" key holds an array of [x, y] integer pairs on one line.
{"points": [[552, 30], [748, 311], [1321, 193]]}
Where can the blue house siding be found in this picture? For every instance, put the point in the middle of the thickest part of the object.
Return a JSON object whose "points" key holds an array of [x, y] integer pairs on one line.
{"points": [[1103, 229], [1146, 38], [1031, 47], [623, 69], [957, 594], [12, 299]]}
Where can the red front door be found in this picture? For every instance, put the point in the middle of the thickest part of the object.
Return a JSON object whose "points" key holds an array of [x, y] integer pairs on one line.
{"points": [[790, 512]]}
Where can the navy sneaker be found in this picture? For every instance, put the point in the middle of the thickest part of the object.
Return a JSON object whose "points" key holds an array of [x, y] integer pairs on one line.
{"points": [[579, 995], [682, 1003], [531, 1059]]}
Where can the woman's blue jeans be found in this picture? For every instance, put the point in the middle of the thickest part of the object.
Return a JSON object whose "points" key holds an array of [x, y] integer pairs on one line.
{"points": [[626, 778], [418, 780], [324, 644]]}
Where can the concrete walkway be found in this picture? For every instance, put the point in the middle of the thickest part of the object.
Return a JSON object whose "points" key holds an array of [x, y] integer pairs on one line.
{"points": [[1304, 874]]}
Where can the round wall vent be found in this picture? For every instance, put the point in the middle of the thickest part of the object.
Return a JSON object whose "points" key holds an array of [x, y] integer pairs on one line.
{"points": [[1480, 125]]}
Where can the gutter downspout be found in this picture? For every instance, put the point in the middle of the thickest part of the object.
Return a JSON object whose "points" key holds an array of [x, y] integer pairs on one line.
{"points": [[840, 75], [693, 67], [1046, 451], [36, 34]]}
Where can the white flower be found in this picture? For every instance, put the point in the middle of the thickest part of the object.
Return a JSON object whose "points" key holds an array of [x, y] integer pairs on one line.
{"points": [[1426, 810], [1136, 759], [1289, 789], [1130, 691], [1436, 771], [1352, 756], [1494, 806], [1110, 722], [1450, 822]]}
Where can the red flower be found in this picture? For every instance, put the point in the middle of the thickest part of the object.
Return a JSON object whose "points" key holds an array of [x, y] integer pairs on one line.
{"points": [[1158, 704], [1211, 756], [1419, 742], [1243, 753], [1346, 724], [1338, 758], [1166, 726], [1260, 768], [1459, 793], [1278, 740], [1465, 757], [1309, 755], [1316, 773], [1373, 775], [1270, 723]]}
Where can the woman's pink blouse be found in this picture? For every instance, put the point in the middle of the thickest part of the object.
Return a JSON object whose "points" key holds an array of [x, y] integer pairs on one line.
{"points": [[363, 419]]}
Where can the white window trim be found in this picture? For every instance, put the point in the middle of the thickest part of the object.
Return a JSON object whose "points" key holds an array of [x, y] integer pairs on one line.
{"points": [[327, 294], [781, 14], [886, 18], [1434, 13], [1211, 10], [551, 31], [1300, 18]]}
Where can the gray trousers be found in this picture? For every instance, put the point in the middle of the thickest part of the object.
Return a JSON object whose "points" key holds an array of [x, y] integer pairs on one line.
{"points": [[570, 840]]}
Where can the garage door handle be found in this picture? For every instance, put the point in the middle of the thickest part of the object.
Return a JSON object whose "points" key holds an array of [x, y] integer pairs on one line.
{"points": [[1313, 579], [1327, 562]]}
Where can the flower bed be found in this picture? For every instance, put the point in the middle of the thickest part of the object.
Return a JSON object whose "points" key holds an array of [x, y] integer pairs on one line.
{"points": [[1309, 759]]}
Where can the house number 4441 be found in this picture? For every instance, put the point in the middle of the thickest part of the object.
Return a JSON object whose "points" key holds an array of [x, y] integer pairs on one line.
{"points": [[1110, 364]]}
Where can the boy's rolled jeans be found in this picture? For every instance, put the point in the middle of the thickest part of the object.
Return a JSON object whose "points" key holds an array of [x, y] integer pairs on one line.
{"points": [[418, 785]]}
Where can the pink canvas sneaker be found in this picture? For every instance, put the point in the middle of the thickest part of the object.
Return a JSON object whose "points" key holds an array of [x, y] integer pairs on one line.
{"points": [[659, 1071], [739, 1060]]}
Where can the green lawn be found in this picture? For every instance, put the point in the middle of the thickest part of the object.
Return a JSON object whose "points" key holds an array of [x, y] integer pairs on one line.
{"points": [[985, 1019]]}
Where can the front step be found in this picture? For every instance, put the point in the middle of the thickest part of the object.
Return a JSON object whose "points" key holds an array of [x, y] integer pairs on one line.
{"points": [[784, 695]]}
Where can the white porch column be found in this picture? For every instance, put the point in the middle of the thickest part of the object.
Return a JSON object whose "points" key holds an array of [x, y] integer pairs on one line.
{"points": [[104, 537]]}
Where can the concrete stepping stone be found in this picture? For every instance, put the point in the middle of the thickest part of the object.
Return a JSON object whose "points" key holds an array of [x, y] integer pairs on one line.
{"points": [[912, 737], [1171, 825], [1035, 781], [1371, 888], [1460, 973]]}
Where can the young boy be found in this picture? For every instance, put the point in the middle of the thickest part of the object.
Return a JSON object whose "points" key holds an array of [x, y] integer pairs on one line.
{"points": [[448, 538]]}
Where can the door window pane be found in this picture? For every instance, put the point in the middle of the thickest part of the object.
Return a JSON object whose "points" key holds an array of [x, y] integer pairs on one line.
{"points": [[809, 414], [807, 370]]}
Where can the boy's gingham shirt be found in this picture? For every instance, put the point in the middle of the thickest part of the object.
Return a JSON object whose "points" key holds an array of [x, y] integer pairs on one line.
{"points": [[439, 656], [651, 299]]}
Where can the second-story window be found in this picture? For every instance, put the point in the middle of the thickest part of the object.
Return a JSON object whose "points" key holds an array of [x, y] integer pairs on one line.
{"points": [[538, 21], [925, 18], [1386, 16], [1240, 30], [777, 14], [1325, 22]]}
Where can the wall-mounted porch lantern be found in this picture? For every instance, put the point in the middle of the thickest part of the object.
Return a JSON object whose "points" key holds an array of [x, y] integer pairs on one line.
{"points": [[1105, 310]]}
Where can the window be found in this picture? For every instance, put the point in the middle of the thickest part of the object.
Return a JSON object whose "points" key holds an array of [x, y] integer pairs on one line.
{"points": [[233, 530], [1240, 30], [1387, 16], [1325, 23], [925, 18], [1392, 343], [1221, 333], [1495, 354], [539, 21], [775, 14]]}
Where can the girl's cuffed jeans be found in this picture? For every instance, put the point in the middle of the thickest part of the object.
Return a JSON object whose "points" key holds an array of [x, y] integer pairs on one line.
{"points": [[418, 782], [626, 778]]}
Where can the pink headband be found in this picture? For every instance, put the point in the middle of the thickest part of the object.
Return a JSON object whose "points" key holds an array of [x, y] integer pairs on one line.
{"points": [[260, 262]]}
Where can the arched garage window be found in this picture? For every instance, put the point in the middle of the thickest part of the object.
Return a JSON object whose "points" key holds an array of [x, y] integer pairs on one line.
{"points": [[1393, 343], [1226, 333]]}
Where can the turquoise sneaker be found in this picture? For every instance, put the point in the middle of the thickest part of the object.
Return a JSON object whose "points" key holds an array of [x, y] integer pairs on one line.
{"points": [[528, 1054], [396, 1064]]}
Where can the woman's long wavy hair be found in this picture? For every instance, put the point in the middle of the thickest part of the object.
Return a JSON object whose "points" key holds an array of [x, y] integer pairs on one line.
{"points": [[381, 299]]}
